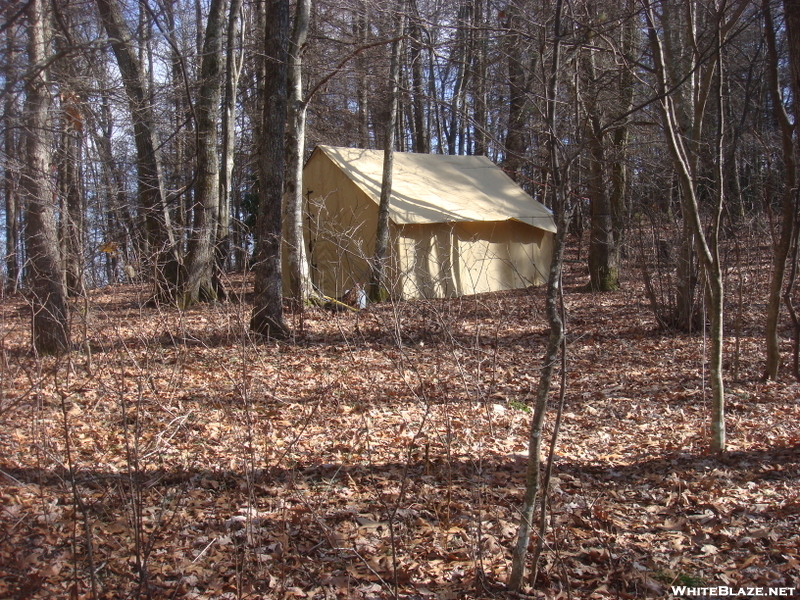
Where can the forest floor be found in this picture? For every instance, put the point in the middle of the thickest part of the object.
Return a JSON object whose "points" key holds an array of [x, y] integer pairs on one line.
{"points": [[382, 454]]}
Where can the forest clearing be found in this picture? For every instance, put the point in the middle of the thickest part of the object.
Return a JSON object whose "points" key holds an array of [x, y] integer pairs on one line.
{"points": [[382, 453]]}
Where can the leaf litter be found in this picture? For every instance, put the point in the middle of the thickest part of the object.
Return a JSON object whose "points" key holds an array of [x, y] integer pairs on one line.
{"points": [[383, 453]]}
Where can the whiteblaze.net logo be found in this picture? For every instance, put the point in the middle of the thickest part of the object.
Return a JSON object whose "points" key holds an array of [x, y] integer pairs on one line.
{"points": [[724, 591]]}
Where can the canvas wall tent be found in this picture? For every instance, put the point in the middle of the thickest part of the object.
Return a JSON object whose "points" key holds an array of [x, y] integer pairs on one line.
{"points": [[459, 225]]}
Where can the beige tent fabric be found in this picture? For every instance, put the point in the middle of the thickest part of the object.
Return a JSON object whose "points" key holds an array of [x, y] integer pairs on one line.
{"points": [[442, 260], [436, 188], [448, 236]]}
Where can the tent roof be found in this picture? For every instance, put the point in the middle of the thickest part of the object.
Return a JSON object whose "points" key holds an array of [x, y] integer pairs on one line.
{"points": [[437, 188]]}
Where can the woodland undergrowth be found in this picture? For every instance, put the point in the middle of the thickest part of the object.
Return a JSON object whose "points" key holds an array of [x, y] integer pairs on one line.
{"points": [[381, 454]]}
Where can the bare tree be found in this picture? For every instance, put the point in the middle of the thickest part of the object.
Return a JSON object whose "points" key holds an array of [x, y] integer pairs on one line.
{"points": [[297, 262], [554, 318], [421, 135], [200, 283], [49, 324], [685, 151], [377, 285], [519, 82], [10, 148], [788, 213], [233, 69], [607, 90], [159, 237], [267, 317], [791, 10]]}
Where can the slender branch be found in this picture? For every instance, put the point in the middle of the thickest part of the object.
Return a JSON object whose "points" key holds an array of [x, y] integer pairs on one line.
{"points": [[337, 69]]}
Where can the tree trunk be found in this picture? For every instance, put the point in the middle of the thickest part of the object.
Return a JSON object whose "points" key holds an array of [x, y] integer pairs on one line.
{"points": [[72, 213], [516, 142], [421, 133], [378, 286], [267, 317], [182, 123], [459, 58], [554, 289], [362, 26], [619, 169], [792, 12], [11, 176], [781, 250], [706, 246], [120, 222], [297, 263], [233, 66], [607, 176], [49, 324], [163, 260], [603, 250], [199, 286], [478, 80]]}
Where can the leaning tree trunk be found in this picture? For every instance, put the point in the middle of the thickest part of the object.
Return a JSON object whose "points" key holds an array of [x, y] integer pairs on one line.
{"points": [[554, 288], [267, 318], [707, 246], [159, 239], [49, 324], [199, 286]]}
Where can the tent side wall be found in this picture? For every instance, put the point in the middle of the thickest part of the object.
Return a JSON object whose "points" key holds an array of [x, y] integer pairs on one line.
{"points": [[455, 259], [430, 260], [339, 228]]}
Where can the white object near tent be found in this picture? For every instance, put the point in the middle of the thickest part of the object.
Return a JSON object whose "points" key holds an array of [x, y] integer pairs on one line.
{"points": [[459, 225]]}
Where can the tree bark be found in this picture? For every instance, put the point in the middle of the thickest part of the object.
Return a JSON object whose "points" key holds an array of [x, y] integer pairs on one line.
{"points": [[49, 324], [607, 178], [792, 12], [621, 137], [297, 263], [516, 141], [11, 176], [362, 32], [781, 250], [70, 192], [378, 285], [459, 58], [706, 246], [478, 80], [233, 66], [200, 285], [603, 251], [554, 289], [267, 317], [421, 134], [120, 222], [164, 258]]}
